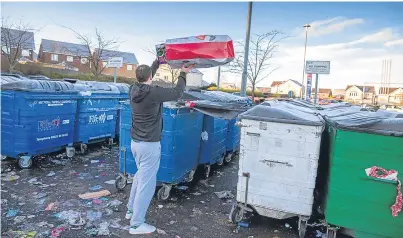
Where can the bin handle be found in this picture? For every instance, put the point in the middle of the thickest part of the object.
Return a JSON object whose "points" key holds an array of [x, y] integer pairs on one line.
{"points": [[266, 161]]}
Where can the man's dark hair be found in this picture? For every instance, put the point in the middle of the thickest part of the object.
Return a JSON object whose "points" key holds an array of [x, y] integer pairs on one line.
{"points": [[143, 73]]}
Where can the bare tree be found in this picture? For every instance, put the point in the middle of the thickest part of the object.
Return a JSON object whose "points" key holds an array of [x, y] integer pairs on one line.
{"points": [[97, 50], [15, 38], [262, 48], [174, 73]]}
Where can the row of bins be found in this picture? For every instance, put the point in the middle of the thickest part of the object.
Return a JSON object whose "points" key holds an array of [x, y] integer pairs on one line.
{"points": [[307, 158], [49, 116], [189, 139]]}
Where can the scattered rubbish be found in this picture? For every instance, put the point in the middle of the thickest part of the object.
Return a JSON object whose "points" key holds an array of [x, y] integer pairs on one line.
{"points": [[94, 161], [108, 212], [30, 216], [196, 194], [287, 225], [11, 177], [161, 232], [44, 186], [44, 223], [32, 180], [183, 188], [243, 224], [160, 206], [96, 187], [68, 215], [236, 230], [212, 185], [97, 201], [25, 234], [77, 222], [51, 174], [56, 232], [92, 232], [172, 222], [224, 194], [103, 229], [319, 234], [19, 219], [114, 203], [50, 206], [275, 231], [202, 202], [40, 201], [193, 228], [95, 194], [250, 236], [40, 195], [115, 223], [4, 201], [12, 213], [92, 216], [111, 182]]}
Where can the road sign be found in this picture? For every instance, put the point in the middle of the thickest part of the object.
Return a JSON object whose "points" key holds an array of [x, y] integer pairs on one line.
{"points": [[317, 67], [115, 62], [308, 86]]}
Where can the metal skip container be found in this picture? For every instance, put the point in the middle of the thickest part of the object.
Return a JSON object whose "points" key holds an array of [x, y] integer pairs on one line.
{"points": [[180, 147], [365, 162], [279, 155], [37, 117], [97, 109]]}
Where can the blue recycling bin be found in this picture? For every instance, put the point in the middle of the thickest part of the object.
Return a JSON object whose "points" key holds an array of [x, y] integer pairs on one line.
{"points": [[180, 146], [37, 117], [97, 109], [233, 139], [213, 142], [123, 97]]}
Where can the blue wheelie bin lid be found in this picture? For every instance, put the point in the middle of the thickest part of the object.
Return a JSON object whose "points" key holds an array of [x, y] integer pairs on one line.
{"points": [[9, 79], [42, 86], [96, 87]]}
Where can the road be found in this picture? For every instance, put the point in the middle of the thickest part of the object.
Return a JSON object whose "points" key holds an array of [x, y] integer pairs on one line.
{"points": [[41, 200]]}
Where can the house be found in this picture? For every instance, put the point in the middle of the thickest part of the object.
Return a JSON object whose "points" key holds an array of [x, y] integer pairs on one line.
{"points": [[363, 94], [390, 96], [70, 55], [291, 88], [129, 63], [193, 79], [16, 42], [264, 90], [323, 93], [339, 93], [274, 86]]}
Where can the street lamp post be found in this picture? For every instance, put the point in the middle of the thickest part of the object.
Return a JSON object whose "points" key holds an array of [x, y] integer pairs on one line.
{"points": [[246, 56], [306, 26]]}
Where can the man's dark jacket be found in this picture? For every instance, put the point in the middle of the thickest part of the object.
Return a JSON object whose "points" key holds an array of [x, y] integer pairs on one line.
{"points": [[146, 104]]}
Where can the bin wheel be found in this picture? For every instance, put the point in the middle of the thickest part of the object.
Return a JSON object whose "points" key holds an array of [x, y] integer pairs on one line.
{"points": [[302, 228], [228, 158], [3, 157], [70, 152], [164, 192], [25, 162], [207, 169], [120, 182], [83, 148], [331, 232], [191, 176], [236, 214]]}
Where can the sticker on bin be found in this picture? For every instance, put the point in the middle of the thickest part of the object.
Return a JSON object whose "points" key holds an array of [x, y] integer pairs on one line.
{"points": [[109, 117], [391, 175], [48, 125], [97, 119], [65, 122]]}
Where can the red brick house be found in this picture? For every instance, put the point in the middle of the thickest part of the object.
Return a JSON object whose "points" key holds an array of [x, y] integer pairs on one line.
{"points": [[70, 55], [129, 63], [323, 93], [18, 44]]}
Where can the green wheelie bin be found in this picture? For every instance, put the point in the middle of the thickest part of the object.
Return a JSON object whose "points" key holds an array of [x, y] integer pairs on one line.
{"points": [[356, 200]]}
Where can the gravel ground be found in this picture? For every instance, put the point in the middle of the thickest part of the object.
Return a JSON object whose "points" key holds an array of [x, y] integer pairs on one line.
{"points": [[41, 200]]}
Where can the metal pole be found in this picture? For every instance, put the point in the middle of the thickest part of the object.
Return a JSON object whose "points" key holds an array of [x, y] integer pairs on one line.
{"points": [[316, 89], [218, 78], [114, 75], [303, 68], [246, 56], [363, 94]]}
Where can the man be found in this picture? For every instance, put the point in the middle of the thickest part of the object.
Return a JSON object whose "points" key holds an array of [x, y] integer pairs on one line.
{"points": [[146, 105]]}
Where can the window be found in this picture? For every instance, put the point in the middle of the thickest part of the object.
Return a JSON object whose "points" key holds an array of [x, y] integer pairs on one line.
{"points": [[353, 94], [55, 57], [157, 74], [25, 53], [69, 58], [84, 60], [166, 77], [129, 67]]}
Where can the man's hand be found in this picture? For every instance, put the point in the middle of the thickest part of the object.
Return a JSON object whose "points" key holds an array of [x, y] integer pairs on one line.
{"points": [[187, 69]]}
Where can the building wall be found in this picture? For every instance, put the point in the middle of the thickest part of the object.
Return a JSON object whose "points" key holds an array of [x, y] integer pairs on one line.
{"points": [[353, 94], [46, 57], [194, 80], [289, 86], [123, 71]]}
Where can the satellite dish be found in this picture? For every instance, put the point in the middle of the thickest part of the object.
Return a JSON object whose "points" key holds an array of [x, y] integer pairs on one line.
{"points": [[84, 60]]}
